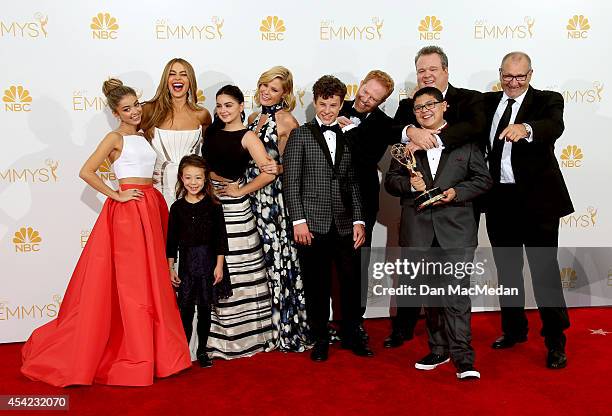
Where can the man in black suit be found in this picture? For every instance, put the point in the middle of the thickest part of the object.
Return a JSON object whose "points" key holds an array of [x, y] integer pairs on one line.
{"points": [[323, 199], [465, 124], [527, 201], [448, 227], [368, 131]]}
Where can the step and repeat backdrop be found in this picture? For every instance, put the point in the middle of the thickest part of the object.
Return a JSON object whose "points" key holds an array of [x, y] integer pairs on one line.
{"points": [[56, 54]]}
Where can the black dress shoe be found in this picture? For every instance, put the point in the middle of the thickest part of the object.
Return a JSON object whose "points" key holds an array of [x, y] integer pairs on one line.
{"points": [[359, 347], [205, 361], [507, 342], [556, 359], [320, 351], [395, 339]]}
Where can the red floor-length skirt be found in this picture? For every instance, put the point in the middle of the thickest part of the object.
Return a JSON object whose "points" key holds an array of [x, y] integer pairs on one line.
{"points": [[118, 323]]}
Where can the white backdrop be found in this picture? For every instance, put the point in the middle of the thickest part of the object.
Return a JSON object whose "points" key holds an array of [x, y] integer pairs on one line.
{"points": [[55, 55]]}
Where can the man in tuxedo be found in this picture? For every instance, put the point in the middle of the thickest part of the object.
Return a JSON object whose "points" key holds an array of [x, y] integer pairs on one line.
{"points": [[368, 131], [323, 199], [528, 198], [447, 229], [466, 123]]}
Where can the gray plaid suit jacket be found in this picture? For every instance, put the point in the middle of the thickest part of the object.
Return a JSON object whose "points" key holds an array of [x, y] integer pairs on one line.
{"points": [[314, 188]]}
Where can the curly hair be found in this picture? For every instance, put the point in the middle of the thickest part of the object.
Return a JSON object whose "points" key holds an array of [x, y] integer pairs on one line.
{"points": [[327, 86]]}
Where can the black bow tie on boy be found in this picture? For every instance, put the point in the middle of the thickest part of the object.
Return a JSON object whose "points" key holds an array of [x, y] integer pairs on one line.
{"points": [[335, 128]]}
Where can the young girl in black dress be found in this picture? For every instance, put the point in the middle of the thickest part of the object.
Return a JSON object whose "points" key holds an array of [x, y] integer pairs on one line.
{"points": [[196, 230]]}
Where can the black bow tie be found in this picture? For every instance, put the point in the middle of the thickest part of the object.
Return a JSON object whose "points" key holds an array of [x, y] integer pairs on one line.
{"points": [[354, 113], [335, 128]]}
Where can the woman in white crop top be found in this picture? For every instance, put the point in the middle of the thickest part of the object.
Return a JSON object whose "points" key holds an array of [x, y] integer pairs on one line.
{"points": [[119, 323], [174, 123]]}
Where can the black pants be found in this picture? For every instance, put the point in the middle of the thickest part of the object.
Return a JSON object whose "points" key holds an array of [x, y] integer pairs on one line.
{"points": [[448, 316], [316, 263], [511, 227]]}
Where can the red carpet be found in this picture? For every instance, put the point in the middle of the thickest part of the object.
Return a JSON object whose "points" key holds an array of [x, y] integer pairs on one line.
{"points": [[513, 381]]}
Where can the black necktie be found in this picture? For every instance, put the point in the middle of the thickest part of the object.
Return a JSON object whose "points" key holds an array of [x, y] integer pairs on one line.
{"points": [[498, 145], [335, 128]]}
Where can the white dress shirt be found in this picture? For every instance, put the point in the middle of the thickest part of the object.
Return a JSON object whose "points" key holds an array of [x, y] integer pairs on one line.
{"points": [[433, 157], [506, 173], [330, 140]]}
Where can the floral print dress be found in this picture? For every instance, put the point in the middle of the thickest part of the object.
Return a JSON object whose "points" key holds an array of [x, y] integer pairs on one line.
{"points": [[290, 328]]}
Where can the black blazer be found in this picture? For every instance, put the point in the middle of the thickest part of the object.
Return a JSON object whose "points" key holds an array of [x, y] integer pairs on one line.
{"points": [[368, 143], [465, 116], [314, 188], [462, 168], [535, 167]]}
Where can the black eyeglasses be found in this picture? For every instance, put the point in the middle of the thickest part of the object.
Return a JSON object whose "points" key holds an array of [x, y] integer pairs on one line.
{"points": [[519, 78], [427, 106]]}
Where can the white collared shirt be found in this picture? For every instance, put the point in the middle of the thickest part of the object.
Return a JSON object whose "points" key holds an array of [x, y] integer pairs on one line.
{"points": [[506, 173], [330, 138], [433, 157]]}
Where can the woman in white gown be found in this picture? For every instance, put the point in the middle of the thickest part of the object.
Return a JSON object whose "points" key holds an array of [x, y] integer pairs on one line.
{"points": [[174, 123]]}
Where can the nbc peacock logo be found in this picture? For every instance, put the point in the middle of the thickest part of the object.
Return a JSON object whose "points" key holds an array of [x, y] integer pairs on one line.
{"points": [[568, 277], [571, 156], [272, 28], [351, 91], [17, 99], [104, 26], [578, 27], [105, 171], [27, 240], [430, 28]]}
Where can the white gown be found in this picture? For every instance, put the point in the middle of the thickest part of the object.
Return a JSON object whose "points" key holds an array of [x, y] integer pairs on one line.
{"points": [[171, 146]]}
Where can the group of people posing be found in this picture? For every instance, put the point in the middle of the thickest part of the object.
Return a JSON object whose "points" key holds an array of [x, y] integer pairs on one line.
{"points": [[243, 220]]}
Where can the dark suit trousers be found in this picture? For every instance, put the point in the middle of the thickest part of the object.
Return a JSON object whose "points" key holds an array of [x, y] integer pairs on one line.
{"points": [[449, 316], [510, 227], [316, 262]]}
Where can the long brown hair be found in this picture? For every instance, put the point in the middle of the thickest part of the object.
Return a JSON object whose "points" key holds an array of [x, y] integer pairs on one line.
{"points": [[197, 162], [161, 104]]}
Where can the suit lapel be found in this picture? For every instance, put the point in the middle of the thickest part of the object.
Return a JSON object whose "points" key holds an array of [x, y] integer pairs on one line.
{"points": [[423, 167], [339, 150], [316, 132], [490, 108], [441, 163]]}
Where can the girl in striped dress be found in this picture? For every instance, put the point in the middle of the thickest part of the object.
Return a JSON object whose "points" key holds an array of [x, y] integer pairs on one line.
{"points": [[241, 325]]}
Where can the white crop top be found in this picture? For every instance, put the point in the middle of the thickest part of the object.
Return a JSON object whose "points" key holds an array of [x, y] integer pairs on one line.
{"points": [[137, 158]]}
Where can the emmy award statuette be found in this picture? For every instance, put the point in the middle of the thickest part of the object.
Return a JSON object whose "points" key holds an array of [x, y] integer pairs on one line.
{"points": [[406, 158]]}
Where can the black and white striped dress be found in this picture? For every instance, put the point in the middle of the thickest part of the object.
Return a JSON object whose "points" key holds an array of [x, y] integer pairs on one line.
{"points": [[241, 325]]}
